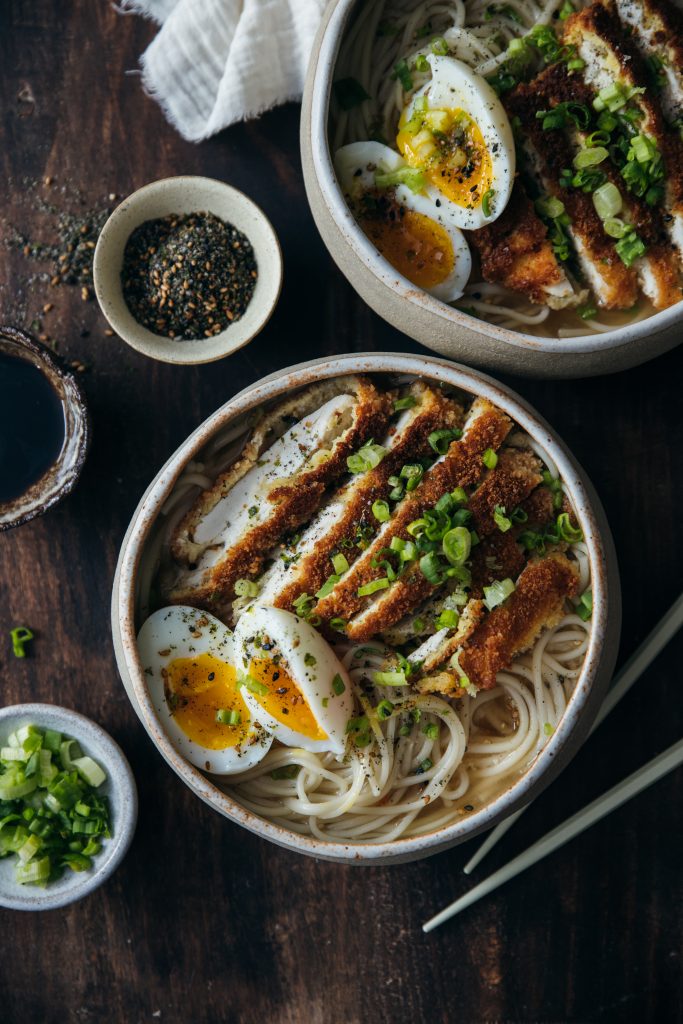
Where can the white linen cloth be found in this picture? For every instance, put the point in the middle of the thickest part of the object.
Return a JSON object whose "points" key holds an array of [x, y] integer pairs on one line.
{"points": [[214, 62]]}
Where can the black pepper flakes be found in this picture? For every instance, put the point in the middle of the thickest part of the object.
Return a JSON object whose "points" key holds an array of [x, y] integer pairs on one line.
{"points": [[188, 277]]}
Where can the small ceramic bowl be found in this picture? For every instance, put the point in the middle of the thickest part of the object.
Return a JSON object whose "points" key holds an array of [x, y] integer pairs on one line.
{"points": [[185, 195], [119, 788], [63, 474], [449, 331], [140, 550]]}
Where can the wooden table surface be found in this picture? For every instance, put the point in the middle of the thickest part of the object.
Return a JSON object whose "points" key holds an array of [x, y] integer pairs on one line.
{"points": [[203, 921]]}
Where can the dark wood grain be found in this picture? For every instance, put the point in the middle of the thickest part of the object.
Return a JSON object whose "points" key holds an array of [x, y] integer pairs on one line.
{"points": [[204, 922]]}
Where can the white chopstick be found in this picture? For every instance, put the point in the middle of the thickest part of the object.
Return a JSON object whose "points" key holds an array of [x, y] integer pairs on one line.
{"points": [[640, 660], [579, 822]]}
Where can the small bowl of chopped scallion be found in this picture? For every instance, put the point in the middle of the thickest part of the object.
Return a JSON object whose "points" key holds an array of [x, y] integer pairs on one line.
{"points": [[68, 806]]}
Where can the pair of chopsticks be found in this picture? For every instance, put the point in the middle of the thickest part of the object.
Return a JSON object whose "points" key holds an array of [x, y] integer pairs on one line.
{"points": [[655, 642]]}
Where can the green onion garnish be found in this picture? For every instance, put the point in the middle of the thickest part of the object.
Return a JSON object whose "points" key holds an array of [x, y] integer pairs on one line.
{"points": [[389, 678], [630, 248], [367, 457], [405, 403], [20, 637], [373, 586], [486, 201], [246, 588], [338, 625], [566, 10], [338, 685], [498, 592], [412, 473], [500, 519], [568, 532], [607, 201], [384, 710], [228, 716], [381, 511], [448, 619], [421, 63], [584, 608], [402, 73], [340, 563], [431, 730], [425, 766], [412, 177], [587, 312], [253, 685], [440, 46], [456, 545], [490, 459], [440, 440]]}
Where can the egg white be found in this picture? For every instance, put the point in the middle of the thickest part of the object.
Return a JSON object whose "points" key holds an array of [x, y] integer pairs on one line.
{"points": [[356, 165], [292, 638], [454, 86], [180, 631]]}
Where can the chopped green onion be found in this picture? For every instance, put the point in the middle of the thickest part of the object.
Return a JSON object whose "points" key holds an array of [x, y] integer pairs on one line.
{"points": [[431, 568], [424, 766], [421, 63], [402, 73], [587, 312], [246, 588], [381, 511], [498, 592], [568, 532], [228, 716], [384, 710], [412, 473], [431, 730], [373, 586], [349, 93], [412, 177], [576, 64], [630, 248], [328, 586], [548, 729], [367, 457], [459, 495], [607, 201], [405, 403], [590, 157], [90, 771], [340, 563], [338, 685], [20, 637], [550, 206], [253, 685], [456, 545], [303, 605], [440, 440], [490, 459], [486, 201], [566, 10], [338, 625], [500, 519], [585, 606], [447, 619], [389, 678], [440, 46]]}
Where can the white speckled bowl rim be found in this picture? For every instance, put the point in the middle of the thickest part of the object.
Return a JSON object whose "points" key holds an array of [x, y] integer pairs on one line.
{"points": [[325, 61], [119, 787], [591, 685], [187, 194]]}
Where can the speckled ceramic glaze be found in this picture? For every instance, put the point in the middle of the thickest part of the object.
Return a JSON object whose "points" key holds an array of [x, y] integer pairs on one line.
{"points": [[590, 687], [119, 788], [61, 478], [187, 194], [448, 331]]}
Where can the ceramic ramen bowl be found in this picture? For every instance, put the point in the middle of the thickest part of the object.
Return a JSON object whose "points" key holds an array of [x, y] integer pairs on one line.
{"points": [[448, 331], [590, 686]]}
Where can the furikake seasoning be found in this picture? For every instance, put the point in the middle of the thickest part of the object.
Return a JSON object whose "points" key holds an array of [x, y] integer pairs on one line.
{"points": [[188, 276]]}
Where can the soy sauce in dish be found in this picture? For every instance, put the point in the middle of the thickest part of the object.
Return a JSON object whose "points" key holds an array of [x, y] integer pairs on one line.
{"points": [[32, 427]]}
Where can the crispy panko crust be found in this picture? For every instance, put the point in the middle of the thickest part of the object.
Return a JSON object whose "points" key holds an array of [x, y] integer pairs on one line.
{"points": [[293, 501], [552, 152], [314, 567], [514, 251], [537, 603], [472, 616], [486, 427]]}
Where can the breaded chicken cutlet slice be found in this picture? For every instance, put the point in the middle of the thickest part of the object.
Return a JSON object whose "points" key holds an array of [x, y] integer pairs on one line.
{"points": [[279, 481], [461, 466], [347, 518], [515, 252], [537, 603], [614, 285], [610, 59], [657, 270], [657, 31]]}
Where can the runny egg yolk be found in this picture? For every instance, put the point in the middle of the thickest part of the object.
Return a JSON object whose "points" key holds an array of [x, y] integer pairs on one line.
{"points": [[414, 244], [449, 148], [196, 688], [284, 700]]}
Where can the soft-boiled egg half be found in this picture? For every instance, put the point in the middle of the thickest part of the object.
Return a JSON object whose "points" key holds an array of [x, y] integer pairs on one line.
{"points": [[188, 657], [293, 683], [414, 227], [456, 132]]}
